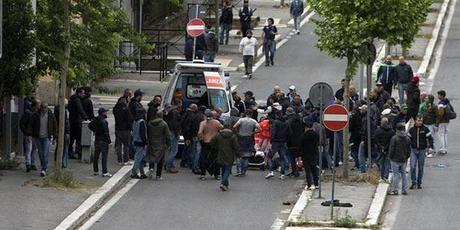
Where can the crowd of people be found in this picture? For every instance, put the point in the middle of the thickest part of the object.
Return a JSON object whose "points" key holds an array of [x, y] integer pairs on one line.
{"points": [[286, 132]]}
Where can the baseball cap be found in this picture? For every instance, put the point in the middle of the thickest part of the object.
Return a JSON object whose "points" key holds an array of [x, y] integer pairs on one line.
{"points": [[138, 92], [292, 87], [404, 106], [102, 110]]}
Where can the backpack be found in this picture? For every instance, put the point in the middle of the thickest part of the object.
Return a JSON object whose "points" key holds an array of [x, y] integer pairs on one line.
{"points": [[450, 112]]}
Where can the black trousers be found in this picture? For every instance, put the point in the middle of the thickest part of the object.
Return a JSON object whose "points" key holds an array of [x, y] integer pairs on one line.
{"points": [[75, 137], [245, 26], [311, 173], [100, 148], [159, 166], [208, 160]]}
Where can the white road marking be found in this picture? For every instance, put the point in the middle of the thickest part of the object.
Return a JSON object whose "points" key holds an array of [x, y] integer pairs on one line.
{"points": [[440, 50]]}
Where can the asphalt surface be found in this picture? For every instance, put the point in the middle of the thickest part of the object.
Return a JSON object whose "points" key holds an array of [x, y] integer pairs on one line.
{"points": [[184, 202], [436, 206]]}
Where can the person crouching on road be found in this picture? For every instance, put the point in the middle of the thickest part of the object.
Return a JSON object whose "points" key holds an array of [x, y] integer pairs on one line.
{"points": [[399, 152], [158, 143], [421, 140], [227, 147], [209, 128], [140, 145], [100, 127], [308, 149]]}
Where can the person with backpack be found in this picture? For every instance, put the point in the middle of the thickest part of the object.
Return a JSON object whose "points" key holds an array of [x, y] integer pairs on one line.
{"points": [[245, 14], [421, 141], [100, 127], [445, 113], [227, 147], [399, 152], [225, 22]]}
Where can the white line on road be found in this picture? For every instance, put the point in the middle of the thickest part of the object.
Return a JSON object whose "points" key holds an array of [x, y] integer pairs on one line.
{"points": [[282, 42], [106, 207], [440, 50]]}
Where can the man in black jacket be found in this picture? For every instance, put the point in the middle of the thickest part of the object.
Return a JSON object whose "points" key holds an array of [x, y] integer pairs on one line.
{"points": [[295, 131], [190, 127], [88, 103], [43, 129], [383, 136], [245, 14], [386, 74], [135, 103], [153, 105], [123, 125], [225, 21], [413, 98], [421, 140], [279, 134], [308, 148], [100, 127], [77, 115], [29, 147], [404, 74], [399, 152]]}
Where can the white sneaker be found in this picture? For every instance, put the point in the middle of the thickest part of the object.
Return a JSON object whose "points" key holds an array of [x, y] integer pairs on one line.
{"points": [[429, 155], [270, 175], [312, 188], [106, 175], [282, 177], [340, 163], [245, 76]]}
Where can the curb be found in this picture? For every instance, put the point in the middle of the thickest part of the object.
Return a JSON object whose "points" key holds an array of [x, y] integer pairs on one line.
{"points": [[377, 204], [95, 200], [434, 40], [300, 205]]}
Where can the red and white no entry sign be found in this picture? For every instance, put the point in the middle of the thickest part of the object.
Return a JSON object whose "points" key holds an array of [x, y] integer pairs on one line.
{"points": [[195, 27], [335, 117]]}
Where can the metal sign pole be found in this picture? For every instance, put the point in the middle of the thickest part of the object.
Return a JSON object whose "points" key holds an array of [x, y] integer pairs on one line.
{"points": [[369, 141], [333, 178], [194, 38], [321, 147]]}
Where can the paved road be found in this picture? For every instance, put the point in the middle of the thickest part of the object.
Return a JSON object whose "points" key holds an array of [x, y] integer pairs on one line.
{"points": [[184, 202], [436, 205]]}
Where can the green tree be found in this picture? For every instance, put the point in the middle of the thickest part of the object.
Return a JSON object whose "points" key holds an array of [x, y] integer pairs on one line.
{"points": [[96, 29], [17, 76], [345, 24]]}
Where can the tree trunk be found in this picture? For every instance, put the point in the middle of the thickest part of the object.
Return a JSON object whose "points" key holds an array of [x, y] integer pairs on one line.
{"points": [[387, 49], [405, 52], [346, 132], [62, 89]]}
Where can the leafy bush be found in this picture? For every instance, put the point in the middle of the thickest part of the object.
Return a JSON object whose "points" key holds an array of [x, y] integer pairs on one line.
{"points": [[61, 180], [9, 164]]}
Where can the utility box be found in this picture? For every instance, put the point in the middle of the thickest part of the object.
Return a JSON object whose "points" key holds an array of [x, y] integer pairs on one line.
{"points": [[86, 141]]}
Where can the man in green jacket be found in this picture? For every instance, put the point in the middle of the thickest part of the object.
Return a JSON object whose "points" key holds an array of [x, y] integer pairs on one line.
{"points": [[227, 146]]}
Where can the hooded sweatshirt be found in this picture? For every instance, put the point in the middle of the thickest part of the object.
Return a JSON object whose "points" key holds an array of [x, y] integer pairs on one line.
{"points": [[399, 150], [227, 146]]}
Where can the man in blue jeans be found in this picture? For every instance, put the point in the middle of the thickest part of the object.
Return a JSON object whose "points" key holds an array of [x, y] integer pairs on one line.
{"points": [[279, 134], [399, 152], [43, 128], [296, 10], [269, 32], [225, 22], [421, 140]]}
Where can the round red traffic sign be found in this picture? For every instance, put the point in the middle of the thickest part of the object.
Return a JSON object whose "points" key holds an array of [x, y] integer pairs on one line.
{"points": [[195, 27], [335, 117]]}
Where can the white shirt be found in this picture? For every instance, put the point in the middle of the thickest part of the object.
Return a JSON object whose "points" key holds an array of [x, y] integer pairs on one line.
{"points": [[248, 46]]}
